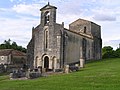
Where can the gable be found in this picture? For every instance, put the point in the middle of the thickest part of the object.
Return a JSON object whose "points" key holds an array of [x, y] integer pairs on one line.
{"points": [[78, 22], [47, 7]]}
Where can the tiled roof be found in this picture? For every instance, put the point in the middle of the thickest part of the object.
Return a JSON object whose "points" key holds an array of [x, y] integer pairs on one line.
{"points": [[6, 52], [18, 53]]}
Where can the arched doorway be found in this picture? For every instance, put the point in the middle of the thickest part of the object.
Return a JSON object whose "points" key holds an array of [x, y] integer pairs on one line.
{"points": [[46, 62]]}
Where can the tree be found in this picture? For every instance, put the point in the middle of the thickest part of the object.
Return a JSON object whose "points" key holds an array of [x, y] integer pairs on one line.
{"points": [[2, 46], [7, 45], [118, 52], [107, 49], [108, 52], [14, 45]]}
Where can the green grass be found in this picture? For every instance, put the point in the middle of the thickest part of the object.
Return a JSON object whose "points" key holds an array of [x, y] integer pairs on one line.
{"points": [[98, 75]]}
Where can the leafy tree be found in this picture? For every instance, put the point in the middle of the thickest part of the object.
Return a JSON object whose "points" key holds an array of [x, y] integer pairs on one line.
{"points": [[8, 45], [118, 52], [107, 49], [108, 52], [14, 45], [2, 46]]}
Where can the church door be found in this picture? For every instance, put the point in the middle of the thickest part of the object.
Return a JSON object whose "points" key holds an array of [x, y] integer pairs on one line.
{"points": [[46, 63]]}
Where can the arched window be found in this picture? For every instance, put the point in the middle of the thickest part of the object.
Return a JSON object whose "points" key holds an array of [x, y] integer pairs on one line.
{"points": [[46, 39], [84, 29]]}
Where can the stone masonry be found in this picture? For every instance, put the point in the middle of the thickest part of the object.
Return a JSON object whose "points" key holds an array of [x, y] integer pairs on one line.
{"points": [[53, 47]]}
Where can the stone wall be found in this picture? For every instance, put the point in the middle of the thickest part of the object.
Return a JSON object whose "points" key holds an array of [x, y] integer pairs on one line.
{"points": [[97, 44], [93, 29], [74, 48], [30, 53], [79, 26], [53, 49]]}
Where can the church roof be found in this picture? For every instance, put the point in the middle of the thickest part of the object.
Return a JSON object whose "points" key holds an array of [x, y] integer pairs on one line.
{"points": [[48, 6]]}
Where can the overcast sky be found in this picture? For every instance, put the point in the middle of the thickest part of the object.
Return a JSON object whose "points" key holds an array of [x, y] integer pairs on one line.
{"points": [[17, 17]]}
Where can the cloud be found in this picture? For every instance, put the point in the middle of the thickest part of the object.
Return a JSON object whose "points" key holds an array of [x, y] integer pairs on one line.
{"points": [[11, 0], [109, 3], [102, 17], [22, 15], [105, 14], [30, 9], [18, 30], [113, 43]]}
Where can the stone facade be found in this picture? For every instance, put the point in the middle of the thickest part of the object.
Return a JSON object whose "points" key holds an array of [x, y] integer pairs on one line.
{"points": [[14, 57], [53, 47]]}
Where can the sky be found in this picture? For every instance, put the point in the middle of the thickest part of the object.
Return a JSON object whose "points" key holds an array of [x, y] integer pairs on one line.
{"points": [[17, 17]]}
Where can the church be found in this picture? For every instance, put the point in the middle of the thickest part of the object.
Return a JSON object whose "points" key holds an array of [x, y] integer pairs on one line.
{"points": [[52, 46]]}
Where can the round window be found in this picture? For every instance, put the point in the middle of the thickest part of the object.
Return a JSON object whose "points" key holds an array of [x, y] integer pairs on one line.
{"points": [[2, 57]]}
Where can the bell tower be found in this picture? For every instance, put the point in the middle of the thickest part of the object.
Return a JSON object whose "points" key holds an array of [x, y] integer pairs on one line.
{"points": [[48, 15]]}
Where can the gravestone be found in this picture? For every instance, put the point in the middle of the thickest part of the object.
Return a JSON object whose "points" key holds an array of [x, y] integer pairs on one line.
{"points": [[35, 73], [82, 62], [67, 69]]}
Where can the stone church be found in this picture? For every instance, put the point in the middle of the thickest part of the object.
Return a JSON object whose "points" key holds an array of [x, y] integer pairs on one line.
{"points": [[52, 46]]}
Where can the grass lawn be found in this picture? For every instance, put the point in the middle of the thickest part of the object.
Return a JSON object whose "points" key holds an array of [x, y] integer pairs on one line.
{"points": [[98, 75]]}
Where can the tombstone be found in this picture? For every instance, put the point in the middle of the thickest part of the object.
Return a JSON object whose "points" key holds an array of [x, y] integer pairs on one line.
{"points": [[82, 62], [43, 70], [40, 69], [55, 64], [35, 73], [5, 68], [67, 69], [27, 74]]}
